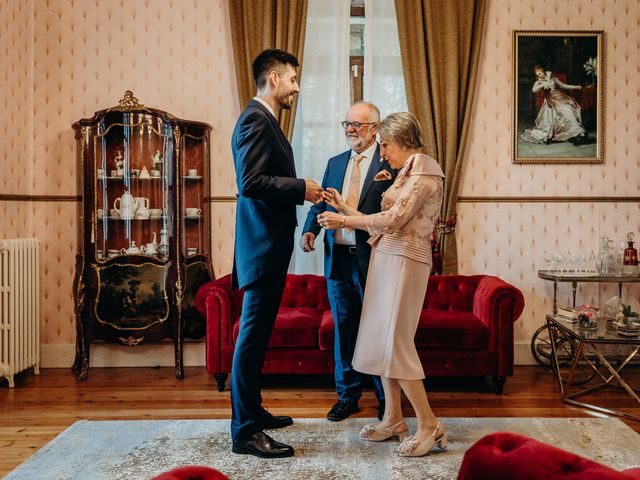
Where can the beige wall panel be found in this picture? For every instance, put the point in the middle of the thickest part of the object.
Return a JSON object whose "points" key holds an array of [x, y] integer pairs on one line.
{"points": [[488, 170], [174, 55], [57, 227], [509, 240], [16, 70], [222, 228]]}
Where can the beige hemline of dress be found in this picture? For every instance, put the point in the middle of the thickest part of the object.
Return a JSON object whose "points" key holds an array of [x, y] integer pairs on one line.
{"points": [[393, 299]]}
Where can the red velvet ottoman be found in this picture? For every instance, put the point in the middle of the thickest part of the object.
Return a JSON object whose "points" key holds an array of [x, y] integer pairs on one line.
{"points": [[192, 473], [509, 456]]}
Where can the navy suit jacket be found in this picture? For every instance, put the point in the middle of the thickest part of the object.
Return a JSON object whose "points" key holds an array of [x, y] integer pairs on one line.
{"points": [[368, 203], [268, 192]]}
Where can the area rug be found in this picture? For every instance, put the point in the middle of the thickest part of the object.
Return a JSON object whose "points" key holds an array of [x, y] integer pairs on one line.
{"points": [[119, 450]]}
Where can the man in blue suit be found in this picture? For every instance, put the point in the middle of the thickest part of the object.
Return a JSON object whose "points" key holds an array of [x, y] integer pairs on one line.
{"points": [[362, 177], [268, 192]]}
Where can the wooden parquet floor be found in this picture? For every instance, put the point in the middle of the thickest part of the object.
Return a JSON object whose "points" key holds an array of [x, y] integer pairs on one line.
{"points": [[40, 407]]}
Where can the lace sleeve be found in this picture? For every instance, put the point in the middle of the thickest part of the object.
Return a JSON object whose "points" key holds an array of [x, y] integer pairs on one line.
{"points": [[415, 192]]}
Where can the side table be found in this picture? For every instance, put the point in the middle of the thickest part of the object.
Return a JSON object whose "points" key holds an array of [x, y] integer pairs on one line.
{"points": [[593, 342]]}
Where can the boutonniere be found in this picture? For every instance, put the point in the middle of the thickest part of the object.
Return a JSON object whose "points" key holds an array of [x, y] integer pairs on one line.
{"points": [[381, 176]]}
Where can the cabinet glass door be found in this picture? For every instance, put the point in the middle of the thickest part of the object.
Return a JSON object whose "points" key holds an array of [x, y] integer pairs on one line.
{"points": [[133, 180], [195, 160]]}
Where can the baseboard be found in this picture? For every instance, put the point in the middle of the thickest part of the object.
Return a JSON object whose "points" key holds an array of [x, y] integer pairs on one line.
{"points": [[61, 356], [522, 353], [162, 355]]}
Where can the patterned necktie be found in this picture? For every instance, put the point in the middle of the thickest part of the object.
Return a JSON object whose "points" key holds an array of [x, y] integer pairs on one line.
{"points": [[353, 194]]}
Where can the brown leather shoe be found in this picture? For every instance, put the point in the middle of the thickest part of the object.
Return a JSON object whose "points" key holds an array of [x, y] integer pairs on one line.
{"points": [[262, 445]]}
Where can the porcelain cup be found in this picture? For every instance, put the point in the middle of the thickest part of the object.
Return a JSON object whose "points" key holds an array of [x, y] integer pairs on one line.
{"points": [[192, 172], [142, 213], [155, 212], [193, 212]]}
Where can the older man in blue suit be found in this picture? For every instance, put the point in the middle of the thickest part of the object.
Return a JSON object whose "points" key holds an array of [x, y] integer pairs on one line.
{"points": [[362, 177], [268, 192]]}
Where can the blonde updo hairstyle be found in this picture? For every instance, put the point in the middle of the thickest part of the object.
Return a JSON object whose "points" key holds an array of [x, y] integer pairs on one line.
{"points": [[402, 128]]}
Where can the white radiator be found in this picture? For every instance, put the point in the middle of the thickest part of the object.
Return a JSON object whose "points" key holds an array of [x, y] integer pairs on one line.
{"points": [[19, 307]]}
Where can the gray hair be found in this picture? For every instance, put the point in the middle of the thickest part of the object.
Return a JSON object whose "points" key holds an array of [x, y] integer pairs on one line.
{"points": [[375, 112], [402, 128]]}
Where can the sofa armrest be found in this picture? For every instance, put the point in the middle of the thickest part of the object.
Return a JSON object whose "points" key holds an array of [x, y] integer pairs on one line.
{"points": [[216, 302], [499, 304]]}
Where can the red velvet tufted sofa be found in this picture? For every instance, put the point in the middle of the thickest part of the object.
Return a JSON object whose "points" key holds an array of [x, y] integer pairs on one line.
{"points": [[466, 327], [509, 456]]}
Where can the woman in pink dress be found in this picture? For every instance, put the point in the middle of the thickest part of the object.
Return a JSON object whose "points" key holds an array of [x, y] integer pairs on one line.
{"points": [[559, 118], [397, 282]]}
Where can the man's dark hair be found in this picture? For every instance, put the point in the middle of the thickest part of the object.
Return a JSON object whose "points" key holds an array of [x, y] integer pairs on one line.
{"points": [[269, 60]]}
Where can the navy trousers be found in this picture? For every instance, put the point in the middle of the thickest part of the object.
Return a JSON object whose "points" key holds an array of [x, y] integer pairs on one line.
{"points": [[346, 293], [259, 310]]}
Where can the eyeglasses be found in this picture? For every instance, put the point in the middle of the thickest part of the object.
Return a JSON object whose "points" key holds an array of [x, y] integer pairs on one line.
{"points": [[356, 125]]}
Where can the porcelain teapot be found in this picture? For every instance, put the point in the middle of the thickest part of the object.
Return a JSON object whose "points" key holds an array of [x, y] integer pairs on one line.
{"points": [[133, 248], [126, 206]]}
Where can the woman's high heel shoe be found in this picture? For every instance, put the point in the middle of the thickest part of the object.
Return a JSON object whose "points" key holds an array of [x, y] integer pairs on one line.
{"points": [[411, 447], [372, 434]]}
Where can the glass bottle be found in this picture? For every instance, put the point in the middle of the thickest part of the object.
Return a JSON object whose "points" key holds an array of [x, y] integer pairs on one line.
{"points": [[630, 262]]}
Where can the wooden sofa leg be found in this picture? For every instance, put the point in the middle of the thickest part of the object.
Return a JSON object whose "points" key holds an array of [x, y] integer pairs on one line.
{"points": [[498, 384], [221, 378]]}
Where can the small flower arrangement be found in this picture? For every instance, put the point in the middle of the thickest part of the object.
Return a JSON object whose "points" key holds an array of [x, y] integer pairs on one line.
{"points": [[591, 69], [587, 317]]}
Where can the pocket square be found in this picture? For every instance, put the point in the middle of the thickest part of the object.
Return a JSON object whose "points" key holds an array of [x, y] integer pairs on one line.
{"points": [[382, 175]]}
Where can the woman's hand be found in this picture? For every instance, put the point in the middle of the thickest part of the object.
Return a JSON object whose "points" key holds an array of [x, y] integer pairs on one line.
{"points": [[331, 220], [332, 197]]}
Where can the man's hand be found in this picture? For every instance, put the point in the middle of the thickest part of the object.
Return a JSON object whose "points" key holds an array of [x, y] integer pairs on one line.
{"points": [[313, 193], [307, 241]]}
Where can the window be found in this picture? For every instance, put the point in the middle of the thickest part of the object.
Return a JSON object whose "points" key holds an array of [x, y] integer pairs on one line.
{"points": [[356, 49]]}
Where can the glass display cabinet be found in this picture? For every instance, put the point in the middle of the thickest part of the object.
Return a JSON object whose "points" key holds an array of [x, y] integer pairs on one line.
{"points": [[144, 233]]}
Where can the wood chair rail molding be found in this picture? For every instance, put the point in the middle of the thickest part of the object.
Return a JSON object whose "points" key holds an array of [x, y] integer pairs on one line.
{"points": [[461, 199]]}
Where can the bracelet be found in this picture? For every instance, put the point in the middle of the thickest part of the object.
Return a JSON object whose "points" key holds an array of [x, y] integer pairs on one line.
{"points": [[342, 221]]}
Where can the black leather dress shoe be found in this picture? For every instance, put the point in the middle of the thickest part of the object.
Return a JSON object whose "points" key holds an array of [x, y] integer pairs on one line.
{"points": [[342, 409], [380, 409], [270, 421], [262, 445]]}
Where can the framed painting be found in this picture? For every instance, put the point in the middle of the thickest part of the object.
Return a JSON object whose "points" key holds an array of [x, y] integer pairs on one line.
{"points": [[558, 108]]}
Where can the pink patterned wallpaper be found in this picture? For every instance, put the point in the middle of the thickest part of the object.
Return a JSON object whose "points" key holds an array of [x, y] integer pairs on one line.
{"points": [[65, 59]]}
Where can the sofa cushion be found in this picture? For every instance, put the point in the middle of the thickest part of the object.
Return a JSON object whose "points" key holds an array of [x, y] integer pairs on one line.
{"points": [[451, 329], [294, 328], [451, 292], [326, 331]]}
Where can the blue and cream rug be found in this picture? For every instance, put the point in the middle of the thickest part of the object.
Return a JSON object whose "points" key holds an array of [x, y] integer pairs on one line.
{"points": [[119, 450]]}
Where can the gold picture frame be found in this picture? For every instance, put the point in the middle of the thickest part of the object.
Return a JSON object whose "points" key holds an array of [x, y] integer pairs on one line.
{"points": [[558, 104]]}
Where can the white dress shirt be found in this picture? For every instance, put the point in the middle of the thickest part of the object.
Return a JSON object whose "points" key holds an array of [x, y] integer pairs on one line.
{"points": [[267, 106], [347, 236]]}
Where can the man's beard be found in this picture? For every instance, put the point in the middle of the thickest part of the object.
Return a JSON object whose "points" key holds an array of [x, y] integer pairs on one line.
{"points": [[285, 101], [355, 142]]}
